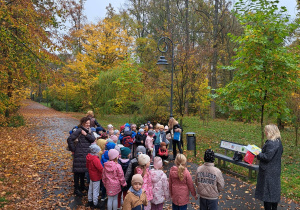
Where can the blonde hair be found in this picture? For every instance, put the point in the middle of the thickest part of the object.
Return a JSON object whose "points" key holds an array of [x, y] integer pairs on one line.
{"points": [[272, 132], [180, 162], [157, 125], [90, 113], [172, 122]]}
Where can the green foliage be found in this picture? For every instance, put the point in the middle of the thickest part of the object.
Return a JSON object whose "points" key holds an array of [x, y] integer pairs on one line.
{"points": [[58, 105], [13, 121], [3, 201], [265, 70]]}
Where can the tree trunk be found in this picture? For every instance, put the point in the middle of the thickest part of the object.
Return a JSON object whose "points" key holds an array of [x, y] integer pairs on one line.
{"points": [[296, 129], [214, 61]]}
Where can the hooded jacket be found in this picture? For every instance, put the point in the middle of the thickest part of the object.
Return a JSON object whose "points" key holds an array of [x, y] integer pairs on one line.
{"points": [[113, 178], [160, 186], [147, 185], [94, 166], [180, 190], [209, 181], [105, 158], [149, 142]]}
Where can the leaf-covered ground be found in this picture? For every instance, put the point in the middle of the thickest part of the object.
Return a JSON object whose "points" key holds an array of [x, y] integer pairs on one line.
{"points": [[35, 168]]}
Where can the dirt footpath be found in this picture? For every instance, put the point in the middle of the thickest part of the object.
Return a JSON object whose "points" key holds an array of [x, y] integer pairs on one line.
{"points": [[57, 181]]}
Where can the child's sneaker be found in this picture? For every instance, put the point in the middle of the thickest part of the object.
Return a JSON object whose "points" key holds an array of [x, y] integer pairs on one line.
{"points": [[103, 199]]}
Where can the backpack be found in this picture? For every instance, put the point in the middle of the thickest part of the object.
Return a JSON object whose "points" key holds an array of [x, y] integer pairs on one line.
{"points": [[127, 141], [73, 130]]}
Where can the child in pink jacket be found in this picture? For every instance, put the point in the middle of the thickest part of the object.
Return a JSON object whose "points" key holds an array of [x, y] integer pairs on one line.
{"points": [[180, 184], [149, 143], [160, 185], [143, 169], [113, 179]]}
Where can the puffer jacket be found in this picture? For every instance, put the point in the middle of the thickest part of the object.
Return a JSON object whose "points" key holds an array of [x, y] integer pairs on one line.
{"points": [[81, 149], [160, 186], [180, 190], [209, 181], [94, 166], [147, 185], [113, 178]]}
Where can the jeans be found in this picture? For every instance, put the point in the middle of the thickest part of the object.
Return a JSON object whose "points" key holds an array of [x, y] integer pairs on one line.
{"points": [[207, 204], [175, 207]]}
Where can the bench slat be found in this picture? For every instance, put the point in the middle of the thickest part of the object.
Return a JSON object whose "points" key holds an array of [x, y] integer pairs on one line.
{"points": [[240, 163]]}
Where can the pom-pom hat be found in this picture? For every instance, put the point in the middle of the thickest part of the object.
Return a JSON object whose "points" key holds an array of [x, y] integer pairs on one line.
{"points": [[113, 154]]}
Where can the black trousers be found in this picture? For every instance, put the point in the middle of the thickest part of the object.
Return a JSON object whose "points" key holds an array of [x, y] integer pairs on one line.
{"points": [[77, 177], [270, 206], [178, 143]]}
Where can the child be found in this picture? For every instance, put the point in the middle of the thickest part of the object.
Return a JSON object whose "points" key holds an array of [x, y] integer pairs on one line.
{"points": [[140, 137], [160, 185], [124, 161], [180, 184], [209, 181], [143, 169], [136, 197], [157, 139], [163, 152], [95, 172], [133, 164], [149, 143], [113, 179]]}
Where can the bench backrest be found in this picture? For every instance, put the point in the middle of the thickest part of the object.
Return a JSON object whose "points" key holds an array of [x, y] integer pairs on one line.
{"points": [[228, 145]]}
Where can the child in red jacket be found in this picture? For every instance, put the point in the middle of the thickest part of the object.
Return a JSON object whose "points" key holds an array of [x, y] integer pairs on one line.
{"points": [[163, 152], [95, 171]]}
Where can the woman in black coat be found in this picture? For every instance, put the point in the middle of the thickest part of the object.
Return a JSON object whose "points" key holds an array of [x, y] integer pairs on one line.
{"points": [[81, 149], [175, 127], [268, 180]]}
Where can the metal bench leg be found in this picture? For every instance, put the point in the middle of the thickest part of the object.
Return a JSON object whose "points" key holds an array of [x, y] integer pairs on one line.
{"points": [[223, 163], [250, 174], [219, 162]]}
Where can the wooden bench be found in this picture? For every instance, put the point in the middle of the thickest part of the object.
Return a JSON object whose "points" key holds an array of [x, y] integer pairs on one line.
{"points": [[231, 146]]}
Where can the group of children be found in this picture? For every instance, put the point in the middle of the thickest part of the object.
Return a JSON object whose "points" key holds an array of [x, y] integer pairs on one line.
{"points": [[133, 173]]}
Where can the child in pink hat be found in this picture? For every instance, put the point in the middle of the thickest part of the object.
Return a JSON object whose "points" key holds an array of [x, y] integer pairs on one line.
{"points": [[160, 185], [113, 179]]}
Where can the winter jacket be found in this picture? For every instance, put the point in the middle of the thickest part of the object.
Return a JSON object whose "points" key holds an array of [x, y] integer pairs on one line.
{"points": [[149, 142], [157, 139], [113, 178], [139, 138], [209, 181], [160, 186], [94, 167], [180, 190], [81, 149], [268, 187], [124, 164], [162, 152], [134, 202], [147, 185]]}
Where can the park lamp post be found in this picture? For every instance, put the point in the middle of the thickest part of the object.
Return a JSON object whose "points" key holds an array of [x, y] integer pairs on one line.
{"points": [[66, 96], [162, 62]]}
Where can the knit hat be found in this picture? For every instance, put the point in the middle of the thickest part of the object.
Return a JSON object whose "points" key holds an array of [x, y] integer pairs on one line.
{"points": [[99, 129], [158, 162], [114, 138], [116, 131], [151, 132], [142, 126], [110, 140], [95, 149], [110, 145], [137, 178], [167, 127], [143, 159], [93, 129], [125, 151], [110, 126], [113, 154], [209, 156], [126, 129], [141, 149], [141, 130]]}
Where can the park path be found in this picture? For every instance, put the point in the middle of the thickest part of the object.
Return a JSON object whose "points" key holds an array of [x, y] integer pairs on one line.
{"points": [[52, 127]]}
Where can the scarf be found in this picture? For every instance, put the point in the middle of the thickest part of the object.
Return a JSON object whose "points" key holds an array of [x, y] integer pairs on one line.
{"points": [[137, 193]]}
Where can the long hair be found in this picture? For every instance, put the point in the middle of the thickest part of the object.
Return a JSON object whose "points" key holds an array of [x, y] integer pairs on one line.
{"points": [[272, 132], [172, 122], [180, 162]]}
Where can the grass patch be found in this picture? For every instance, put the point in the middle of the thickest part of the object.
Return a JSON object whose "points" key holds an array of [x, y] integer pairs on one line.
{"points": [[45, 104], [3, 201], [209, 136]]}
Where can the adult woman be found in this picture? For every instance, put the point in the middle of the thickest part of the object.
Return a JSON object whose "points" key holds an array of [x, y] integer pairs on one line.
{"points": [[94, 123], [174, 128], [81, 149], [268, 179]]}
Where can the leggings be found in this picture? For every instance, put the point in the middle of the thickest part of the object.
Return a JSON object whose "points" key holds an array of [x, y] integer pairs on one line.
{"points": [[178, 143], [119, 197], [112, 202]]}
